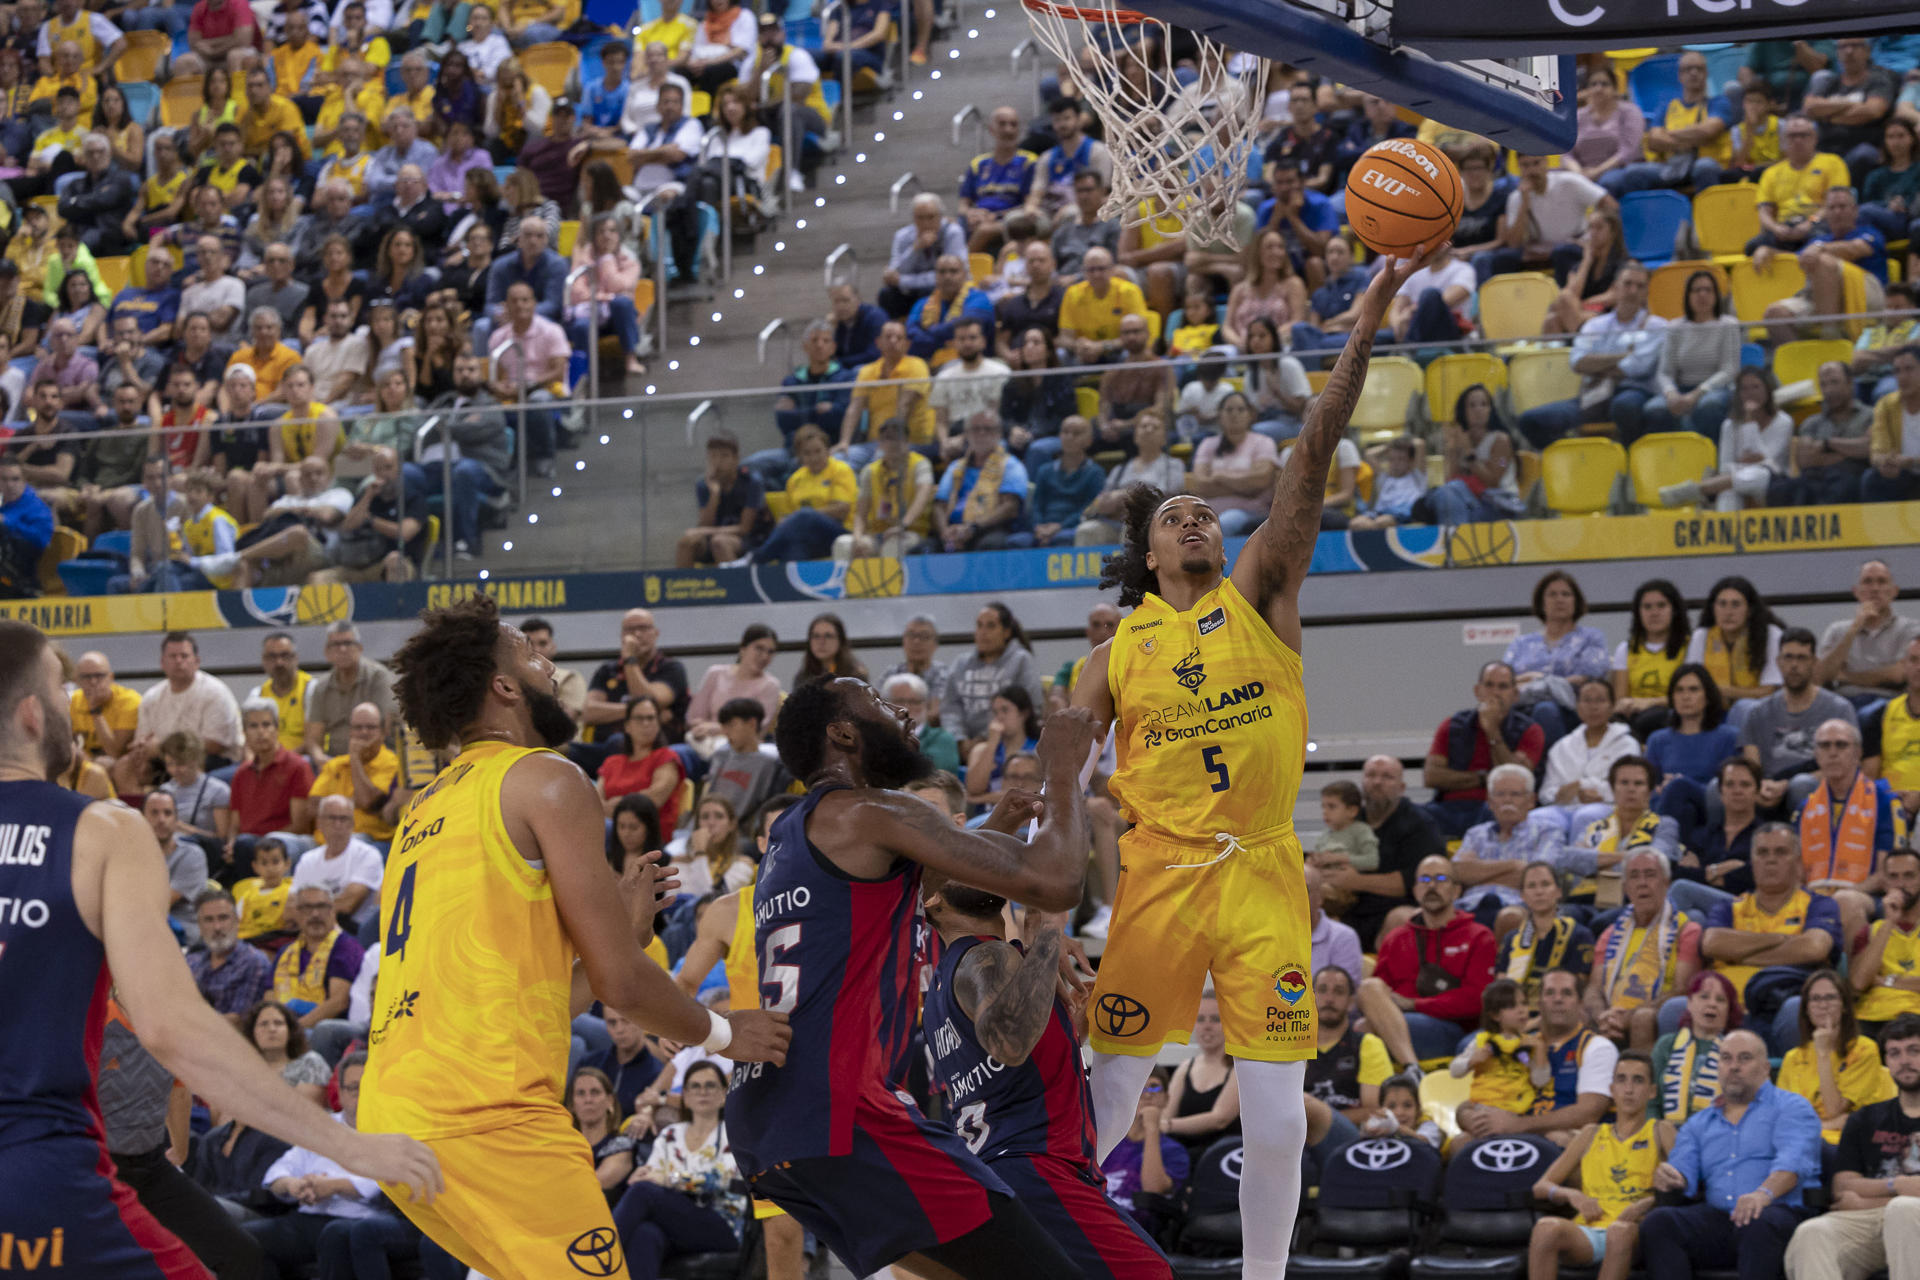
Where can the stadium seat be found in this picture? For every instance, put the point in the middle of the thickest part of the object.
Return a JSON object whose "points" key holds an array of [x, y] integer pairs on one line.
{"points": [[979, 266], [1667, 457], [1317, 379], [1442, 1092], [550, 65], [140, 60], [179, 99], [1382, 410], [1539, 377], [1725, 218], [143, 101], [779, 505], [1653, 83], [1796, 362], [1204, 1214], [701, 104], [86, 576], [1086, 402], [1450, 375], [115, 272], [1515, 305], [1375, 1198], [1754, 291], [1752, 356], [114, 541], [569, 233], [1580, 472], [1650, 220], [1487, 1210], [67, 543], [616, 15], [1667, 287]]}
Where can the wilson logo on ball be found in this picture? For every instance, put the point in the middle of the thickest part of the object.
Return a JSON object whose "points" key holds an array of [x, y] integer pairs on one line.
{"points": [[1403, 197]]}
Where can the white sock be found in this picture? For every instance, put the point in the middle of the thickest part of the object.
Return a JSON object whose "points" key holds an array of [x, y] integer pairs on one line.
{"points": [[1274, 1120], [1116, 1081]]}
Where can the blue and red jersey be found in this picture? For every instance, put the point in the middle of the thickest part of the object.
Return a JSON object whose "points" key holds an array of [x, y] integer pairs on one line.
{"points": [[1041, 1107], [53, 972], [842, 957]]}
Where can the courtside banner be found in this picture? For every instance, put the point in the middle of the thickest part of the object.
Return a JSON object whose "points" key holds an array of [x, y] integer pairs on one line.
{"points": [[1573, 540], [1571, 26]]}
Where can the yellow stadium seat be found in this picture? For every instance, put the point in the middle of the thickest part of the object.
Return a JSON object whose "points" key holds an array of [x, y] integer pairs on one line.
{"points": [[1801, 361], [1086, 401], [701, 106], [1317, 379], [1441, 1093], [1515, 305], [569, 235], [140, 60], [1450, 376], [1725, 218], [1667, 286], [643, 299], [1667, 457], [1526, 470], [1754, 291], [1381, 412], [67, 543], [1156, 325], [116, 273], [551, 64], [179, 99], [433, 539], [1540, 377], [1580, 472], [779, 505], [979, 266]]}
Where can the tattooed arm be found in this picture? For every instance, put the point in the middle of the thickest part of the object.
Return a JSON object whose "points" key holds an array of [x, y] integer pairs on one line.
{"points": [[1010, 996], [1274, 561]]}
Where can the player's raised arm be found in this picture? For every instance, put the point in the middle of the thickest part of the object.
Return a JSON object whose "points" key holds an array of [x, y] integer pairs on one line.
{"points": [[1008, 995], [1275, 559], [552, 813], [120, 886]]}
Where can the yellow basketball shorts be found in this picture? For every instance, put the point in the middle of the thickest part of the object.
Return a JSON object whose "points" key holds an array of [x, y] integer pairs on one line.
{"points": [[1183, 911], [522, 1203]]}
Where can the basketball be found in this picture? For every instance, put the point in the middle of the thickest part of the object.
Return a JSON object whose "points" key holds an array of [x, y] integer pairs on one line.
{"points": [[1403, 197]]}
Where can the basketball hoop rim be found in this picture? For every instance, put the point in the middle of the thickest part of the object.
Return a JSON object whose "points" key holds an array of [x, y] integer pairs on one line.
{"points": [[1122, 16]]}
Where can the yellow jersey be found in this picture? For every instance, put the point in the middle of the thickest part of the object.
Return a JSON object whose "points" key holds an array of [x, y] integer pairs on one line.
{"points": [[293, 709], [121, 713], [300, 428], [743, 965], [1210, 720], [1504, 1081], [262, 910], [1680, 115], [1649, 673], [471, 1025], [1618, 1171], [158, 193], [1899, 959], [1900, 745], [80, 31], [336, 779], [1749, 917], [1861, 1078]]}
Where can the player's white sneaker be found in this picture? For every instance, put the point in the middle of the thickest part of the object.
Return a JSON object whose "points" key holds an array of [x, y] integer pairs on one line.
{"points": [[1096, 927]]}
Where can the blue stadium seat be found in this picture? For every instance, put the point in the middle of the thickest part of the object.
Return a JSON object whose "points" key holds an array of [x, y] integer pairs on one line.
{"points": [[143, 101], [1653, 84], [87, 577], [1650, 220], [117, 541], [1752, 356], [611, 13]]}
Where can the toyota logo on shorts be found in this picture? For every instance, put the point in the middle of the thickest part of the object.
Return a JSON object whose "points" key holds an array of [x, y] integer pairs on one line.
{"points": [[1378, 1155], [596, 1253], [1505, 1155]]}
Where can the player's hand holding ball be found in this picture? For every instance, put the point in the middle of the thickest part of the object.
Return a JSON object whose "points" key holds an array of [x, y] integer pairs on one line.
{"points": [[759, 1035]]}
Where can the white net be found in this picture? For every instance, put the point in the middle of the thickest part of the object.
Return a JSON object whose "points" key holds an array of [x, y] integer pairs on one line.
{"points": [[1181, 141]]}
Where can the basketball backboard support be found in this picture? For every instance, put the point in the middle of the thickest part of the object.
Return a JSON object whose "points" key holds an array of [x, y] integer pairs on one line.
{"points": [[1524, 102]]}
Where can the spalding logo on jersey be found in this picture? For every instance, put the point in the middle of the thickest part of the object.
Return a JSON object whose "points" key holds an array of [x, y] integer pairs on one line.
{"points": [[1290, 984], [1213, 621], [1190, 672]]}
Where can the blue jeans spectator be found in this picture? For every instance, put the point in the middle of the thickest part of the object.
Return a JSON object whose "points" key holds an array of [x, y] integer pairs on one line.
{"points": [[1039, 452], [170, 18], [1685, 1240], [1904, 487], [1433, 1037], [471, 482], [1835, 483], [1433, 320], [807, 534], [537, 33], [1661, 175], [873, 60], [1704, 418], [1455, 502], [657, 1222], [1894, 226], [621, 320], [1696, 897], [1549, 422], [365, 1248]]}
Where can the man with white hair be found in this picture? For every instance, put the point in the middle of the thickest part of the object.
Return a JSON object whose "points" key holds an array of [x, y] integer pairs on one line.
{"points": [[910, 693], [1848, 825], [412, 206], [98, 201], [1646, 957], [330, 215], [212, 290], [331, 698], [233, 974], [917, 249], [1494, 855], [343, 864]]}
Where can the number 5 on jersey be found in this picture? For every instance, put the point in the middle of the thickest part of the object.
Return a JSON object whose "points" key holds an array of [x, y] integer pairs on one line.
{"points": [[1210, 757], [785, 976]]}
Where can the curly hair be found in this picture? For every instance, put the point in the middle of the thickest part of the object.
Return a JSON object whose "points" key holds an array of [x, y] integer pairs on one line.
{"points": [[1127, 567], [444, 668], [801, 734]]}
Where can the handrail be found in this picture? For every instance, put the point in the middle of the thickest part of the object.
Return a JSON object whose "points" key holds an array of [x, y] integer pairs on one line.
{"points": [[660, 250], [700, 411], [1028, 47], [899, 185], [593, 323], [772, 327], [789, 158], [846, 66], [843, 251], [979, 125], [446, 480], [726, 199]]}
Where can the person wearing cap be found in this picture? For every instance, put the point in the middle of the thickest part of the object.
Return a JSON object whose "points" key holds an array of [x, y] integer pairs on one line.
{"points": [[553, 158], [796, 86]]}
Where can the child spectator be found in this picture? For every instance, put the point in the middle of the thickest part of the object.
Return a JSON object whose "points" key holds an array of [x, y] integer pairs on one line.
{"points": [[1756, 139], [739, 771], [1402, 1116], [1146, 1159], [1508, 1066], [204, 804], [1347, 842], [262, 897], [1395, 492], [1197, 412], [1199, 326]]}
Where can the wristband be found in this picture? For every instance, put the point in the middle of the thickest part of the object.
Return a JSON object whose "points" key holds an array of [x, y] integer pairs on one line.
{"points": [[1767, 1191], [720, 1036]]}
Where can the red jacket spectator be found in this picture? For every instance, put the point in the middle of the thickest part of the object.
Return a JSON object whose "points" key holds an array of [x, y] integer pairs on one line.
{"points": [[1462, 947]]}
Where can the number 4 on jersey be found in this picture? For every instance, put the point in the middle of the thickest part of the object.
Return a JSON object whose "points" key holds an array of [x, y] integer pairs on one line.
{"points": [[400, 926]]}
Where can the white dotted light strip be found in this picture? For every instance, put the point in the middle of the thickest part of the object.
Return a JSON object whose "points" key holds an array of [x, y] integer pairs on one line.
{"points": [[759, 268]]}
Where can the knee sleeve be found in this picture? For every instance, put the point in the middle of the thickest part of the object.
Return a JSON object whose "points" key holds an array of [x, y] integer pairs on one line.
{"points": [[1115, 1082]]}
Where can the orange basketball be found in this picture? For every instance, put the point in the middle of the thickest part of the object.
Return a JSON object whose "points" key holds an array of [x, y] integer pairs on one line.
{"points": [[1403, 197]]}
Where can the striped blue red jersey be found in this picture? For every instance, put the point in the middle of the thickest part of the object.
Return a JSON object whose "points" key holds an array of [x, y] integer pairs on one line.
{"points": [[1041, 1107], [838, 955], [53, 972]]}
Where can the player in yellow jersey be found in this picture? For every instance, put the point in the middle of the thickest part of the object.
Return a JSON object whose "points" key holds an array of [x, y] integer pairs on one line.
{"points": [[496, 886], [725, 936], [1202, 686], [1615, 1160]]}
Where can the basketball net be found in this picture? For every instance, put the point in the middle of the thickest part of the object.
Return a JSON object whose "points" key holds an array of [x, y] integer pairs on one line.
{"points": [[1177, 149]]}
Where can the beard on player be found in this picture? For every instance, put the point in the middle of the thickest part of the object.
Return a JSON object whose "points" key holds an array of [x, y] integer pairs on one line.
{"points": [[56, 745], [890, 758], [550, 719]]}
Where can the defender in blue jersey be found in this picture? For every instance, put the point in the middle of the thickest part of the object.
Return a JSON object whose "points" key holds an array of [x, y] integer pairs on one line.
{"points": [[825, 1136], [83, 889], [1007, 1052]]}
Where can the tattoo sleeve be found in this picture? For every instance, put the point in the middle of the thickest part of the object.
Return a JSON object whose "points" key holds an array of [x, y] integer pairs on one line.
{"points": [[1011, 995]]}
